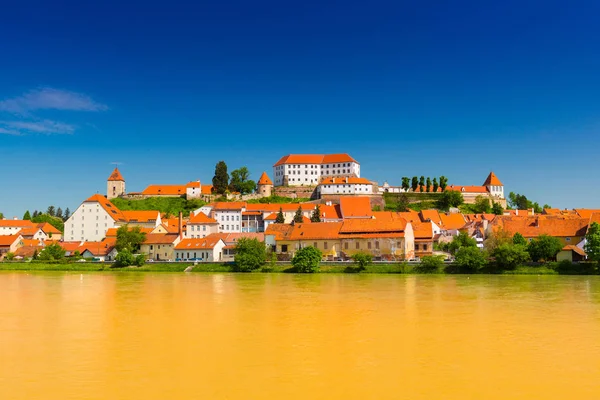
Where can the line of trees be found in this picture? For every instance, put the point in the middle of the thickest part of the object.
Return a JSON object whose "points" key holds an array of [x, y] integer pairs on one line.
{"points": [[424, 184], [239, 181], [55, 212], [521, 202]]}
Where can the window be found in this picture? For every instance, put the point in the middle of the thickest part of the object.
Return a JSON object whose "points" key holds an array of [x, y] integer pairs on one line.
{"points": [[284, 248], [568, 239], [357, 245], [346, 246], [416, 246], [424, 247], [315, 245], [325, 245], [369, 245], [151, 247], [377, 244]]}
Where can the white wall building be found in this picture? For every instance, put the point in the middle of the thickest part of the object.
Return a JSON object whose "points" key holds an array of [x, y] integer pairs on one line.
{"points": [[92, 219], [208, 249], [349, 185], [308, 169], [14, 226]]}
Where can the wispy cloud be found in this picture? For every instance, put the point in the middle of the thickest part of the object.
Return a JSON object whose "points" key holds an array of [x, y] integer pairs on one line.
{"points": [[46, 127], [47, 98], [4, 131]]}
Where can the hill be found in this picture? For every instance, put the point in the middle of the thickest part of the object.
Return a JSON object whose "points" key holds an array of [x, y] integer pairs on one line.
{"points": [[166, 205]]}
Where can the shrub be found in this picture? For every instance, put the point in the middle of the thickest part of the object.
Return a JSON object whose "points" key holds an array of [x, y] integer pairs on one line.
{"points": [[250, 254], [544, 248], [469, 260], [362, 260], [430, 264], [140, 260], [52, 252], [510, 256], [124, 258], [307, 260], [9, 256]]}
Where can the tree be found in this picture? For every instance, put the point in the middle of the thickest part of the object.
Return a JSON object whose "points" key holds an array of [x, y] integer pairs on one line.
{"points": [[403, 202], [1, 216], [27, 216], [592, 242], [519, 239], [451, 198], [414, 184], [497, 208], [35, 214], [316, 215], [430, 264], [124, 258], [435, 185], [546, 206], [9, 256], [362, 260], [428, 184], [59, 213], [298, 216], [240, 182], [51, 211], [519, 201], [470, 259], [221, 179], [405, 183], [482, 205], [544, 247], [421, 183], [510, 256], [55, 222], [307, 259], [67, 214], [461, 240], [129, 239], [52, 252], [443, 183], [139, 260], [280, 218], [496, 238], [250, 254]]}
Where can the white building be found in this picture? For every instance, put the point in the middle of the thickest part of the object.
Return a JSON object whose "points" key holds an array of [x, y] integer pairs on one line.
{"points": [[205, 249], [348, 185], [308, 169], [200, 225], [14, 226]]}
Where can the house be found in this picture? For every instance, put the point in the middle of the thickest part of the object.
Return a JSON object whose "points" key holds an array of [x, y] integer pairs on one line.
{"points": [[143, 219], [275, 233], [160, 247], [571, 253], [424, 235], [100, 251], [50, 231], [308, 169], [344, 186], [9, 244], [452, 223], [208, 249], [200, 225], [14, 226], [28, 251], [569, 229]]}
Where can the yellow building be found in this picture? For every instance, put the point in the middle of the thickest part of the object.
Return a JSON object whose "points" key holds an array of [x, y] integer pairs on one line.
{"points": [[160, 247]]}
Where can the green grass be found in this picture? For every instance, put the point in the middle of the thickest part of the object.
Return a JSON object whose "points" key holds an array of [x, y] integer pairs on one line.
{"points": [[168, 205], [278, 200]]}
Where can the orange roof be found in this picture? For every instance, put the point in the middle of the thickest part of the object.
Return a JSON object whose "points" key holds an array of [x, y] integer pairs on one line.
{"points": [[271, 217], [47, 228], [467, 189], [31, 242], [251, 213], [356, 207], [330, 211], [519, 213], [551, 211], [319, 230], [585, 213], [422, 230], [208, 242], [344, 181], [141, 216], [315, 159], [233, 237], [285, 207], [165, 190], [29, 231], [432, 215], [16, 223], [206, 189], [265, 180], [70, 246], [492, 180], [576, 249], [233, 205], [279, 231], [8, 240], [116, 176], [194, 184], [373, 225], [102, 248], [160, 238], [533, 226], [452, 221], [410, 216], [109, 207], [28, 250], [201, 218]]}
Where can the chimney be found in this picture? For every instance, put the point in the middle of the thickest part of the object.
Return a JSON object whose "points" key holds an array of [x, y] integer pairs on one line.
{"points": [[180, 228]]}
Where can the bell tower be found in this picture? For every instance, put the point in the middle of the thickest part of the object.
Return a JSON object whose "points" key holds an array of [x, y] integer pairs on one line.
{"points": [[115, 185]]}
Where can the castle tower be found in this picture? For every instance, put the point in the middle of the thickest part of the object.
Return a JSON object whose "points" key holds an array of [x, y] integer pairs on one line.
{"points": [[115, 185], [494, 186], [265, 185]]}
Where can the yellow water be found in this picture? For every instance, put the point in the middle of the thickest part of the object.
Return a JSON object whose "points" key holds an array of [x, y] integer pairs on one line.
{"points": [[202, 336]]}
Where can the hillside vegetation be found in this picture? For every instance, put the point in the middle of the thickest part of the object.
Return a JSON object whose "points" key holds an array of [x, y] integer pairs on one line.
{"points": [[416, 201], [171, 206]]}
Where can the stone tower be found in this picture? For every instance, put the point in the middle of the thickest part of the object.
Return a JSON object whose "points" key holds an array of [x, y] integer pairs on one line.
{"points": [[265, 185], [115, 185], [494, 186]]}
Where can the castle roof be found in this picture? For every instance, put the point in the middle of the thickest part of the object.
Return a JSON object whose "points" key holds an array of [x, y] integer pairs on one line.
{"points": [[116, 176], [492, 180], [315, 159], [265, 180]]}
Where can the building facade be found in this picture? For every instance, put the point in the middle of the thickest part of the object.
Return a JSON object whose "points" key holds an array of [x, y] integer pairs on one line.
{"points": [[308, 169]]}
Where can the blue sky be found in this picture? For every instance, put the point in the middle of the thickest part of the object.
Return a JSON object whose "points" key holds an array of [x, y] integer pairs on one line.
{"points": [[407, 88]]}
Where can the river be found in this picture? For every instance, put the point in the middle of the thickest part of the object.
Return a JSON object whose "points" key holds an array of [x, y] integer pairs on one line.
{"points": [[281, 336]]}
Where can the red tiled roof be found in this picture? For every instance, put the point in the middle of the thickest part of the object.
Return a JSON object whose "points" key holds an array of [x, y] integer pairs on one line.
{"points": [[160, 238], [201, 218], [8, 240], [264, 179], [165, 190], [279, 231], [16, 223], [206, 189], [109, 207], [47, 228], [208, 242], [116, 176], [585, 213], [141, 216], [576, 249], [102, 248], [330, 211], [356, 207], [319, 230], [194, 184], [373, 225], [492, 180], [422, 230], [533, 226], [432, 215], [28, 251], [452, 221], [234, 205], [345, 181], [467, 189], [315, 159]]}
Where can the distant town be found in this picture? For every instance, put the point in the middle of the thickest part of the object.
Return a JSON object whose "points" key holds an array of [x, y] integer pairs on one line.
{"points": [[308, 200]]}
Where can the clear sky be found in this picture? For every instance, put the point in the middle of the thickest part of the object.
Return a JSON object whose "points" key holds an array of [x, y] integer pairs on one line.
{"points": [[406, 87]]}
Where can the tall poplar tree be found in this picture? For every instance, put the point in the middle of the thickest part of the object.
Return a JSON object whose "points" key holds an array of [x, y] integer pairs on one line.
{"points": [[221, 178]]}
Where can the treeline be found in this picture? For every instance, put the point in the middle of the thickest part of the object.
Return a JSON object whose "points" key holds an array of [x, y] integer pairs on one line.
{"points": [[53, 215], [424, 184], [521, 202], [238, 182]]}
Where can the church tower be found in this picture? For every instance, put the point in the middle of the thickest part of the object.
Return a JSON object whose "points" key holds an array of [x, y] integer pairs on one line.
{"points": [[115, 185], [494, 186], [265, 185]]}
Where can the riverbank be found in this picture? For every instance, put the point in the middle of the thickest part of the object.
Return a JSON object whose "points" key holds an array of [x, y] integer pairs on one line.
{"points": [[335, 268]]}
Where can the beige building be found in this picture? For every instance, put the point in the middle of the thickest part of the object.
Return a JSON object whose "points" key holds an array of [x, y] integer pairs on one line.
{"points": [[115, 185], [160, 247]]}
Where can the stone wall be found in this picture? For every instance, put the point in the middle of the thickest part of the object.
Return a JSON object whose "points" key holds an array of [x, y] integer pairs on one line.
{"points": [[295, 192]]}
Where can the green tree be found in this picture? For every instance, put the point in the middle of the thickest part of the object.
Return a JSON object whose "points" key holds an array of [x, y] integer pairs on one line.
{"points": [[470, 259], [405, 183], [250, 254], [496, 238], [421, 183], [27, 216], [546, 206], [443, 183], [280, 217], [510, 256], [124, 258], [52, 252], [461, 240], [130, 239], [35, 214], [316, 215], [414, 184], [307, 260], [402, 202], [240, 181], [435, 185], [544, 247], [55, 222], [592, 242], [519, 239], [482, 205], [518, 201], [298, 216], [497, 208], [1, 216], [363, 260], [428, 184], [430, 264], [67, 214], [59, 213], [51, 211], [221, 179], [9, 256], [139, 260], [451, 198]]}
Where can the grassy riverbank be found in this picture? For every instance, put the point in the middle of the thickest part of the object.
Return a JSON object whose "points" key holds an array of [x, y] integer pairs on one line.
{"points": [[336, 268]]}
